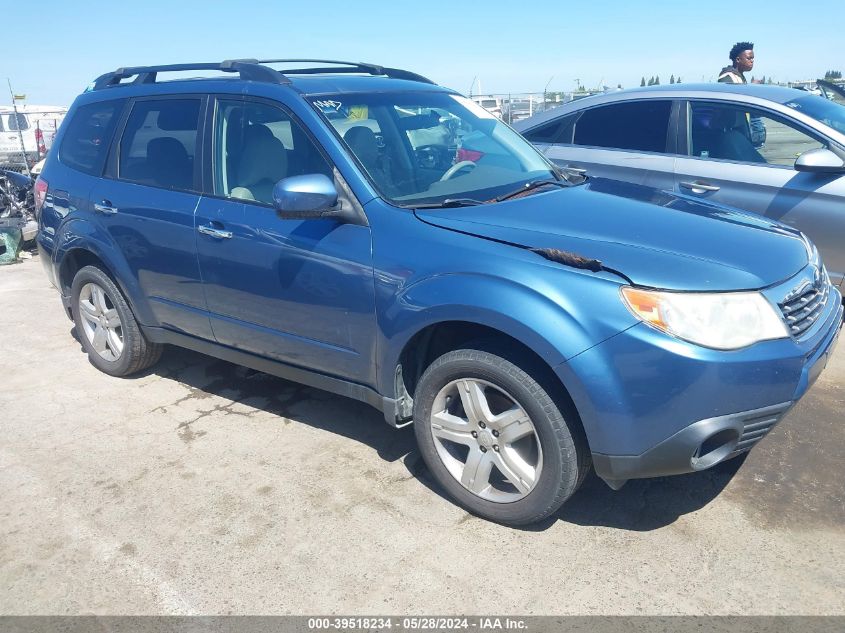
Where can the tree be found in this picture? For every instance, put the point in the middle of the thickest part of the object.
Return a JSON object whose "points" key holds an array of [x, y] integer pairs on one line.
{"points": [[672, 79], [642, 83], [678, 80], [657, 80], [833, 74], [619, 86]]}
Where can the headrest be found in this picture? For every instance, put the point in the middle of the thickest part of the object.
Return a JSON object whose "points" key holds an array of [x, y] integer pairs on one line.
{"points": [[262, 158], [362, 142], [165, 148]]}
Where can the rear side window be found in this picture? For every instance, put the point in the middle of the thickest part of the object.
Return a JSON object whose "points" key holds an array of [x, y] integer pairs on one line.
{"points": [[641, 126], [86, 142], [558, 130], [159, 143]]}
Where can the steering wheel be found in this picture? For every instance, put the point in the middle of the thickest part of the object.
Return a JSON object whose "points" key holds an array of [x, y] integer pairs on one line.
{"points": [[454, 169]]}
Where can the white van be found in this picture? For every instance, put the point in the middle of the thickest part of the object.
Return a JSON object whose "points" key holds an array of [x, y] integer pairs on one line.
{"points": [[34, 125], [492, 104]]}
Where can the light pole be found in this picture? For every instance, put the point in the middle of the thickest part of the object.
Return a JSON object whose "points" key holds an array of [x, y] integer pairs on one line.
{"points": [[474, 79], [545, 88]]}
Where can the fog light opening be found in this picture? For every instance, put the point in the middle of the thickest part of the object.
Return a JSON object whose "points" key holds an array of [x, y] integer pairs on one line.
{"points": [[714, 449]]}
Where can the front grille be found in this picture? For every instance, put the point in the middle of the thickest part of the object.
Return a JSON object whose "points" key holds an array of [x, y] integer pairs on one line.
{"points": [[804, 306], [756, 427]]}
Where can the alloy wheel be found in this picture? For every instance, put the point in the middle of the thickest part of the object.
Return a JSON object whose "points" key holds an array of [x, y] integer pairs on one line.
{"points": [[486, 440], [101, 322]]}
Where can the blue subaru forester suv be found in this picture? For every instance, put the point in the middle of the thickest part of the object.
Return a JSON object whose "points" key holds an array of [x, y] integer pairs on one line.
{"points": [[365, 231]]}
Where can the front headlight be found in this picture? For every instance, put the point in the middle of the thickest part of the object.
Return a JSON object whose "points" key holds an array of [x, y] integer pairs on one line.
{"points": [[718, 320]]}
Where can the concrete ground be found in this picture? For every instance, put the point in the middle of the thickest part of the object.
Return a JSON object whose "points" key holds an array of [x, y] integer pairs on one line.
{"points": [[202, 488]]}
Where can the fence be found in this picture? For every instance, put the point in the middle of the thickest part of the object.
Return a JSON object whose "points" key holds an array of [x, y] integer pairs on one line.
{"points": [[512, 107]]}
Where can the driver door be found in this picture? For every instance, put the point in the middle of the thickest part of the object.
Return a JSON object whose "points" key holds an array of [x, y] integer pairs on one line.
{"points": [[731, 163]]}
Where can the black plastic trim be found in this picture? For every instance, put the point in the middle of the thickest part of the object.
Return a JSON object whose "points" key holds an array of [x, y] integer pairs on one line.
{"points": [[338, 386], [676, 454]]}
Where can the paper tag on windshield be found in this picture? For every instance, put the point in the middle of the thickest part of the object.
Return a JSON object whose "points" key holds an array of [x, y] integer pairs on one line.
{"points": [[473, 107]]}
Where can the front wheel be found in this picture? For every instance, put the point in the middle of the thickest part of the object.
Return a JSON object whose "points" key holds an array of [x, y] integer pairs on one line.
{"points": [[494, 437]]}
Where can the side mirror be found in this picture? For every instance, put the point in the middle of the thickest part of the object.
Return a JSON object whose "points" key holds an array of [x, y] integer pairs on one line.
{"points": [[304, 197], [820, 161]]}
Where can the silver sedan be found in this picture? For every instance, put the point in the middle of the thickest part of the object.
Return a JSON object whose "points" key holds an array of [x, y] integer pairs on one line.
{"points": [[775, 151]]}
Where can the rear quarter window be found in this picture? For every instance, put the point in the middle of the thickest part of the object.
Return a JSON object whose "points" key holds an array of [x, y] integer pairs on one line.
{"points": [[558, 130], [86, 143]]}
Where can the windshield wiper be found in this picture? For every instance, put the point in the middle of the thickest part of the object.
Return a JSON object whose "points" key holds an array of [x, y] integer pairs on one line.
{"points": [[530, 186], [448, 203]]}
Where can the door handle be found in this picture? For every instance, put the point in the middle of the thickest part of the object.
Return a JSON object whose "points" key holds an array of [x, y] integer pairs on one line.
{"points": [[211, 231], [699, 186], [105, 208]]}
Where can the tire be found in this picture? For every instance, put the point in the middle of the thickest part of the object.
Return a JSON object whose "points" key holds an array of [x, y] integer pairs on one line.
{"points": [[106, 327], [548, 463]]}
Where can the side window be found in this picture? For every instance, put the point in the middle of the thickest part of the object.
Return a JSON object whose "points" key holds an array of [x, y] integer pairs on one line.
{"points": [[640, 126], [255, 146], [558, 130], [739, 133], [159, 143], [17, 121], [88, 136]]}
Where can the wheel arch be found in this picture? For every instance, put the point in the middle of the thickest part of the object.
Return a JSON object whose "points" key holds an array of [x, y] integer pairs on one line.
{"points": [[81, 244]]}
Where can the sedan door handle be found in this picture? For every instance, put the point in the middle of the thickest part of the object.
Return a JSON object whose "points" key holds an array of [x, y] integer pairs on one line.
{"points": [[105, 208], [699, 186], [211, 231]]}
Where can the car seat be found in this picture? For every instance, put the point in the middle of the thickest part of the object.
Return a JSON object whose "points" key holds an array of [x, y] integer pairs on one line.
{"points": [[168, 164], [262, 164]]}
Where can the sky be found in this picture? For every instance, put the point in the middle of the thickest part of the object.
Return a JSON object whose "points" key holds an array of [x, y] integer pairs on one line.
{"points": [[488, 46]]}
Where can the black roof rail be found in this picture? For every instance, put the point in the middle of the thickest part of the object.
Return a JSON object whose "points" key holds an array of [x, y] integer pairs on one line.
{"points": [[350, 67], [248, 69], [253, 70]]}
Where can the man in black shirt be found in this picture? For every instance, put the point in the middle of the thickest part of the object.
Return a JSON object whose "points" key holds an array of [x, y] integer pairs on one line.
{"points": [[742, 56]]}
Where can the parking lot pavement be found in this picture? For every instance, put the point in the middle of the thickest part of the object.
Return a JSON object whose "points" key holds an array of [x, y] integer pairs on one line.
{"points": [[201, 487]]}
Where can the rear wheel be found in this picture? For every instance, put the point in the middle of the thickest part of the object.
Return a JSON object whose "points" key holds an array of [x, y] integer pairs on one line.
{"points": [[494, 437], [106, 327]]}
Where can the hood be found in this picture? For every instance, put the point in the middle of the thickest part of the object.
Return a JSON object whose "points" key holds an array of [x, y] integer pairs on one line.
{"points": [[655, 238]]}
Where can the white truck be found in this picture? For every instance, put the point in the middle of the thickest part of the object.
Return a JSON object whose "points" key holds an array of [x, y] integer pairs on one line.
{"points": [[27, 133]]}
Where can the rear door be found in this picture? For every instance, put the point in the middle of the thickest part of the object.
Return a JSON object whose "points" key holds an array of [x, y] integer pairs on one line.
{"points": [[147, 203], [744, 157], [631, 141]]}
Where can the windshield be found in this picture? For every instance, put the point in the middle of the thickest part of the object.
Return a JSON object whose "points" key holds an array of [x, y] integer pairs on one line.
{"points": [[432, 147], [823, 110]]}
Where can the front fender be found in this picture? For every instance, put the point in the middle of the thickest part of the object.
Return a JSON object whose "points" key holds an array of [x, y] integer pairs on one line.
{"points": [[81, 234], [556, 322]]}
